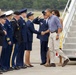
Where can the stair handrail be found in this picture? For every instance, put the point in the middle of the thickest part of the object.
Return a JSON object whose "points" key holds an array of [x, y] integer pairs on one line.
{"points": [[68, 17], [66, 9]]}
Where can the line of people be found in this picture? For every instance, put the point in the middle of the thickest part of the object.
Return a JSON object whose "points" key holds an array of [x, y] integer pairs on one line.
{"points": [[16, 38]]}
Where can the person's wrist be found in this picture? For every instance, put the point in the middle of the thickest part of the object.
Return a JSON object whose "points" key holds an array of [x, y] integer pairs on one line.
{"points": [[57, 34], [44, 32]]}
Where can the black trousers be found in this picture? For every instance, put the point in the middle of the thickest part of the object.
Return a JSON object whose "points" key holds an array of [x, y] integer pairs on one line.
{"points": [[20, 55]]}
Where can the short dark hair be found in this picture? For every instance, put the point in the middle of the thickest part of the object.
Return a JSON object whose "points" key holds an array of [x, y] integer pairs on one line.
{"points": [[49, 10], [56, 12]]}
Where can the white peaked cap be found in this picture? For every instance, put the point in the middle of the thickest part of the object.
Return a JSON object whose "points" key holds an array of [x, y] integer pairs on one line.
{"points": [[7, 13]]}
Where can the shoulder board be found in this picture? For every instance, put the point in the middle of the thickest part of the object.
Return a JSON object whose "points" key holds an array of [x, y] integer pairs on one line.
{"points": [[12, 20]]}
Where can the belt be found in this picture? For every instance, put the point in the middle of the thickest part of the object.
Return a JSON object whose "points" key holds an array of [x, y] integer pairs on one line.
{"points": [[55, 31]]}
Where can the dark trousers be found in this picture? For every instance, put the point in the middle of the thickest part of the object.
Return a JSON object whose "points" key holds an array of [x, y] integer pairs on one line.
{"points": [[5, 57], [20, 55], [0, 62], [14, 57], [44, 45]]}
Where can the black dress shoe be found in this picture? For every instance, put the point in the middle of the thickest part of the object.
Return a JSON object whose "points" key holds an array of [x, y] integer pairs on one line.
{"points": [[42, 63], [23, 67], [52, 65], [16, 68], [11, 69], [3, 70], [65, 62], [1, 73]]}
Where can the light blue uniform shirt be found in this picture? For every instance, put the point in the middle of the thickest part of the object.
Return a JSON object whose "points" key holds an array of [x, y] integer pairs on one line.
{"points": [[54, 23]]}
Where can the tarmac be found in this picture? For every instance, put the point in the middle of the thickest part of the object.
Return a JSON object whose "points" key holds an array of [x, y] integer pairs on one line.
{"points": [[70, 69]]}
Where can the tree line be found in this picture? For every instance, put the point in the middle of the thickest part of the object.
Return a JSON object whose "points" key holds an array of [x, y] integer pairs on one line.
{"points": [[32, 4]]}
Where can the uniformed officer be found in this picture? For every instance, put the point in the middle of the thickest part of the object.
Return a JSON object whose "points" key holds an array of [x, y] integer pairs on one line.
{"points": [[2, 34], [43, 26], [31, 30], [8, 41], [17, 37], [23, 45]]}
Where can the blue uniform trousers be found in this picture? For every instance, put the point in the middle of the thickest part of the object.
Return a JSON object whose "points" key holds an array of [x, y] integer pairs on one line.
{"points": [[44, 48], [5, 57], [20, 55]]}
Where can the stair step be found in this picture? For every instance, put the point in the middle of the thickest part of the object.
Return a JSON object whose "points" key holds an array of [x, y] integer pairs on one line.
{"points": [[74, 22], [69, 49], [70, 40], [74, 17], [73, 28], [71, 34], [71, 53], [69, 46]]}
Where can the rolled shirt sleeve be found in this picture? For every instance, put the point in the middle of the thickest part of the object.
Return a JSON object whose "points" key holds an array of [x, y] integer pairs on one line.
{"points": [[58, 22]]}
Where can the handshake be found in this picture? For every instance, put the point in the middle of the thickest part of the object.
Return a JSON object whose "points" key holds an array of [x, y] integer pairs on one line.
{"points": [[43, 33]]}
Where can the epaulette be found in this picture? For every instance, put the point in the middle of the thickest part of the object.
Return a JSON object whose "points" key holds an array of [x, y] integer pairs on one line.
{"points": [[12, 20]]}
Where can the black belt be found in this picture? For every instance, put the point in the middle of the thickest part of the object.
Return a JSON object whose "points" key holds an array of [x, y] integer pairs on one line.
{"points": [[55, 31]]}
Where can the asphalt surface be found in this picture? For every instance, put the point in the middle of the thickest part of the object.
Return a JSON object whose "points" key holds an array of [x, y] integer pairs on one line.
{"points": [[70, 69]]}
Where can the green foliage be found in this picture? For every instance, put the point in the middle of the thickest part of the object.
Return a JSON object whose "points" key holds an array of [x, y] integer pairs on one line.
{"points": [[32, 4]]}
